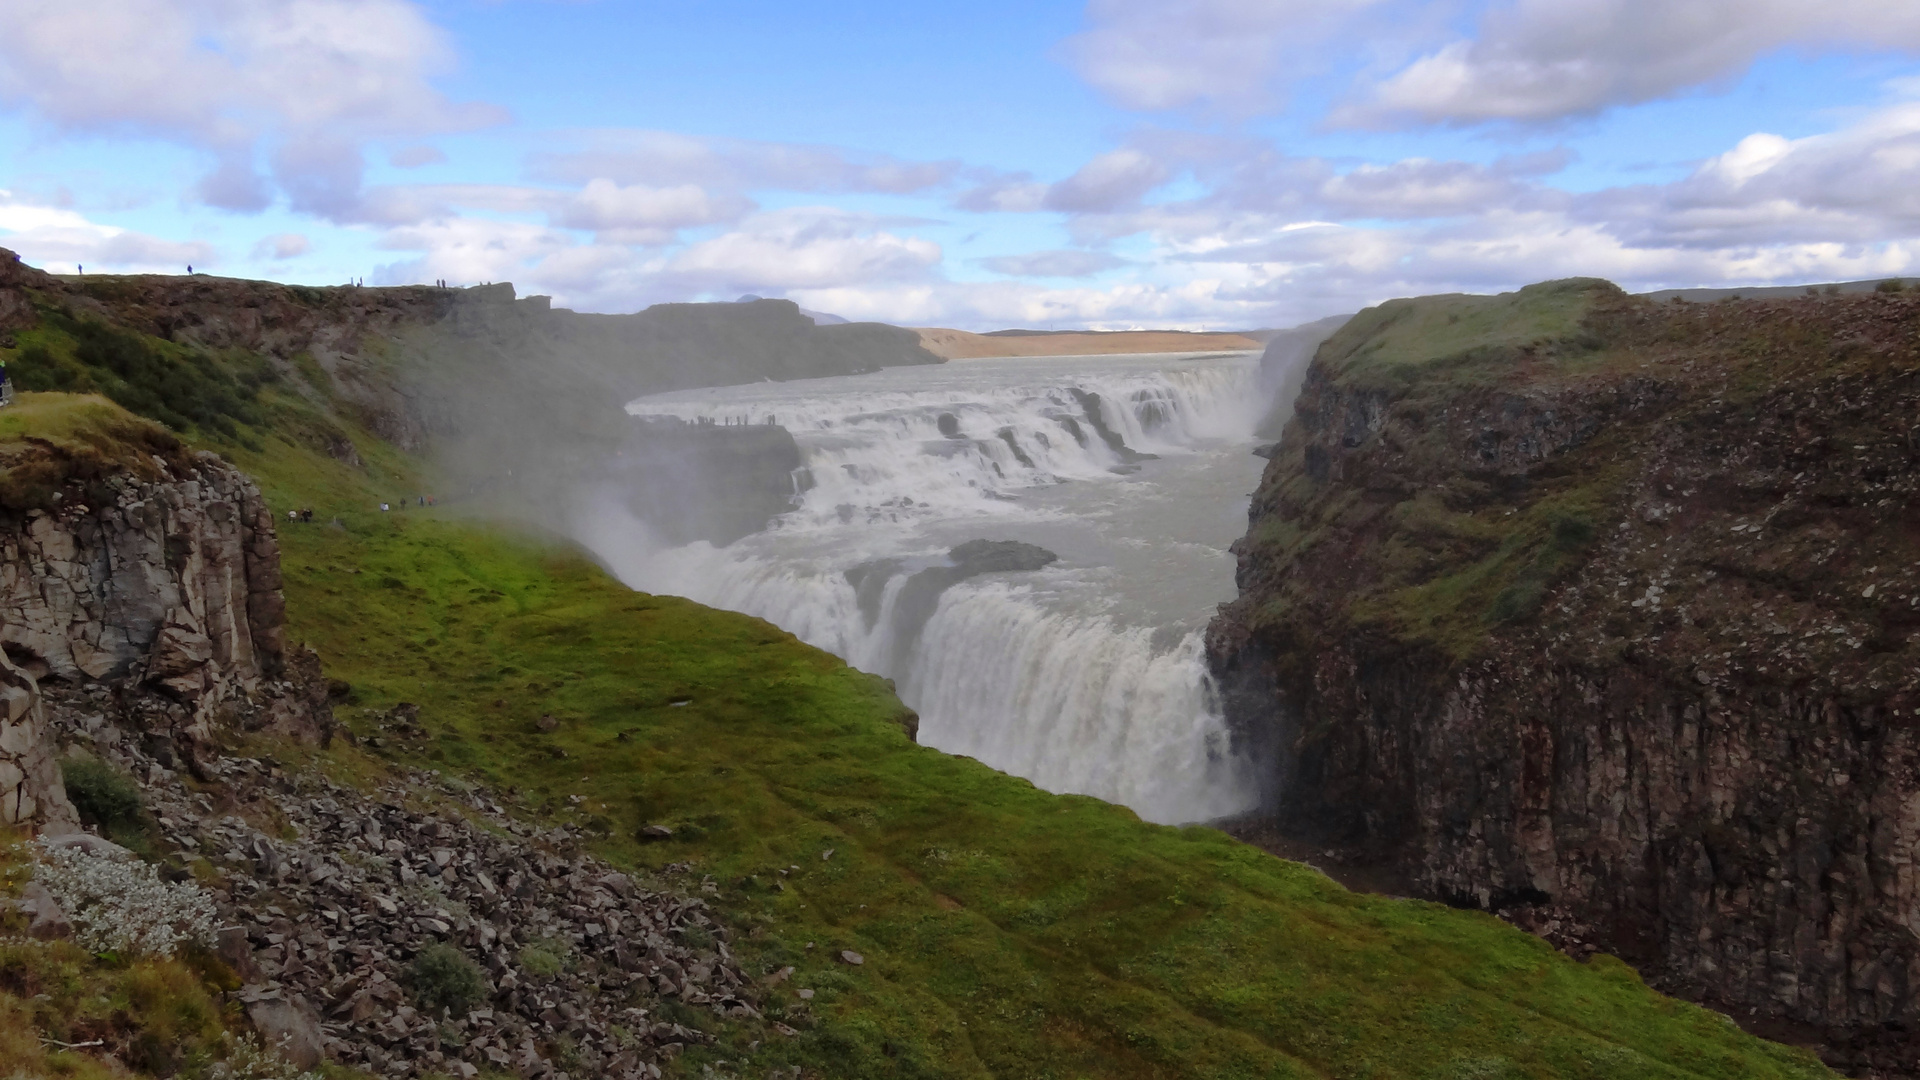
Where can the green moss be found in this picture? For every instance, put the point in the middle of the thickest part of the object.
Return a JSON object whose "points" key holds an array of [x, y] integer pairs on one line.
{"points": [[104, 797], [1464, 339]]}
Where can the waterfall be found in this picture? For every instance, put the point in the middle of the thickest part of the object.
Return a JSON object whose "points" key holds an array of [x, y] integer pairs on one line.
{"points": [[1083, 676]]}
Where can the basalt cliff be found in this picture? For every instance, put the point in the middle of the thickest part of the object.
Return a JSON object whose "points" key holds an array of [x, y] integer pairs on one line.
{"points": [[1604, 614], [127, 560]]}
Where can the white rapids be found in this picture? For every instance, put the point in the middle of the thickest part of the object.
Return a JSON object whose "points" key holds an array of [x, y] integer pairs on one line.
{"points": [[1086, 676]]}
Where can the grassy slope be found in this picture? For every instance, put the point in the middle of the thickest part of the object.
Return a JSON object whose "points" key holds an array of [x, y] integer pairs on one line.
{"points": [[1006, 931]]}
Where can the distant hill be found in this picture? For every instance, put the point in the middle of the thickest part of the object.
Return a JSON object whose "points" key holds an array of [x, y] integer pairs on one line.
{"points": [[966, 345]]}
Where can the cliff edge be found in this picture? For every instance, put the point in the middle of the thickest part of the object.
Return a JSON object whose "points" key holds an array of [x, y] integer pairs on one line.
{"points": [[1601, 613]]}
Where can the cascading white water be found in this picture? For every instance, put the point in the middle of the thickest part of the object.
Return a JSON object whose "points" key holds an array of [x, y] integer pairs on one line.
{"points": [[1085, 676]]}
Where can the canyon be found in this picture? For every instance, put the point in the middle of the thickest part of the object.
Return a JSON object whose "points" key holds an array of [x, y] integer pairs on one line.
{"points": [[729, 844]]}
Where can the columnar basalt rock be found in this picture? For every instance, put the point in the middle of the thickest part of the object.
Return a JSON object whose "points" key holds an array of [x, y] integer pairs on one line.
{"points": [[171, 583], [1624, 649], [31, 794]]}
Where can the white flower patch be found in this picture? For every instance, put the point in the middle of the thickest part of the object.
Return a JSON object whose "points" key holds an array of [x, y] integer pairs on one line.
{"points": [[119, 904], [248, 1060]]}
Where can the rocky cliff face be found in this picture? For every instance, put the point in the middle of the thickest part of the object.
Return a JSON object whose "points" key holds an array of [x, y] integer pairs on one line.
{"points": [[31, 793], [162, 581], [1602, 614]]}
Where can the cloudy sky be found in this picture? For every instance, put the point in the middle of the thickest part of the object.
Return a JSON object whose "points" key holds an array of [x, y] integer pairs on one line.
{"points": [[972, 163]]}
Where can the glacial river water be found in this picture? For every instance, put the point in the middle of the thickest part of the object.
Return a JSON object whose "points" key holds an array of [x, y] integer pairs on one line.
{"points": [[1085, 676]]}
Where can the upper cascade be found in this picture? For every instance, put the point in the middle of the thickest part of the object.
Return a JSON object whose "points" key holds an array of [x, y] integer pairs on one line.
{"points": [[895, 449]]}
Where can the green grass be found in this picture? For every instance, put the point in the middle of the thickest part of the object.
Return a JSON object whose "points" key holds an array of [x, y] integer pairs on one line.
{"points": [[1463, 338], [1007, 931], [48, 441]]}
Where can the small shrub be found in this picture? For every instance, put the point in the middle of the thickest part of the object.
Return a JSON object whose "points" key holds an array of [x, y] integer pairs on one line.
{"points": [[120, 904], [543, 959], [1891, 285], [1573, 531], [442, 977], [105, 797]]}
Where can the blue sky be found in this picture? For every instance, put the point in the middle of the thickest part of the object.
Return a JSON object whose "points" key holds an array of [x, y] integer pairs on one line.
{"points": [[1108, 163]]}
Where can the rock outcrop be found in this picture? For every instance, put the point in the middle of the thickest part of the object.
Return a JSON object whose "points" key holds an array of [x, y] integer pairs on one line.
{"points": [[1612, 629], [31, 794], [163, 576]]}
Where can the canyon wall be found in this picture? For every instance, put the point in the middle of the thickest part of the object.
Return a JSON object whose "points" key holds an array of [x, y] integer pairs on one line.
{"points": [[1602, 614]]}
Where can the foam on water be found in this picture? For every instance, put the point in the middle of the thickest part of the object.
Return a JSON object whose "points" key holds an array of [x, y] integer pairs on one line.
{"points": [[1086, 676]]}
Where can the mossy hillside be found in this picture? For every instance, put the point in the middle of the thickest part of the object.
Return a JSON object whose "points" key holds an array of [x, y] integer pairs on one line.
{"points": [[1006, 931], [1463, 338], [1452, 552], [1436, 551]]}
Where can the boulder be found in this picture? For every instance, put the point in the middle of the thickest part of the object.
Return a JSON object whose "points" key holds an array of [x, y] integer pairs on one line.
{"points": [[290, 1025]]}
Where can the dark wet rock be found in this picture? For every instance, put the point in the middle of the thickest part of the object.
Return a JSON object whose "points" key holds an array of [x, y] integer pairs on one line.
{"points": [[999, 556], [1266, 450], [920, 595], [1013, 443], [1090, 402], [949, 425], [869, 581]]}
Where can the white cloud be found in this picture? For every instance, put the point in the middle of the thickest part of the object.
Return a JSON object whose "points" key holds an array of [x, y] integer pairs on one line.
{"points": [[417, 156], [59, 238], [1016, 193], [1067, 263], [639, 214], [1852, 186], [1543, 60], [1112, 181], [1151, 54], [282, 246], [311, 80], [667, 159], [803, 248]]}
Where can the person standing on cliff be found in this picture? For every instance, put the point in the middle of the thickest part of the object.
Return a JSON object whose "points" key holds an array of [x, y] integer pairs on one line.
{"points": [[6, 385]]}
